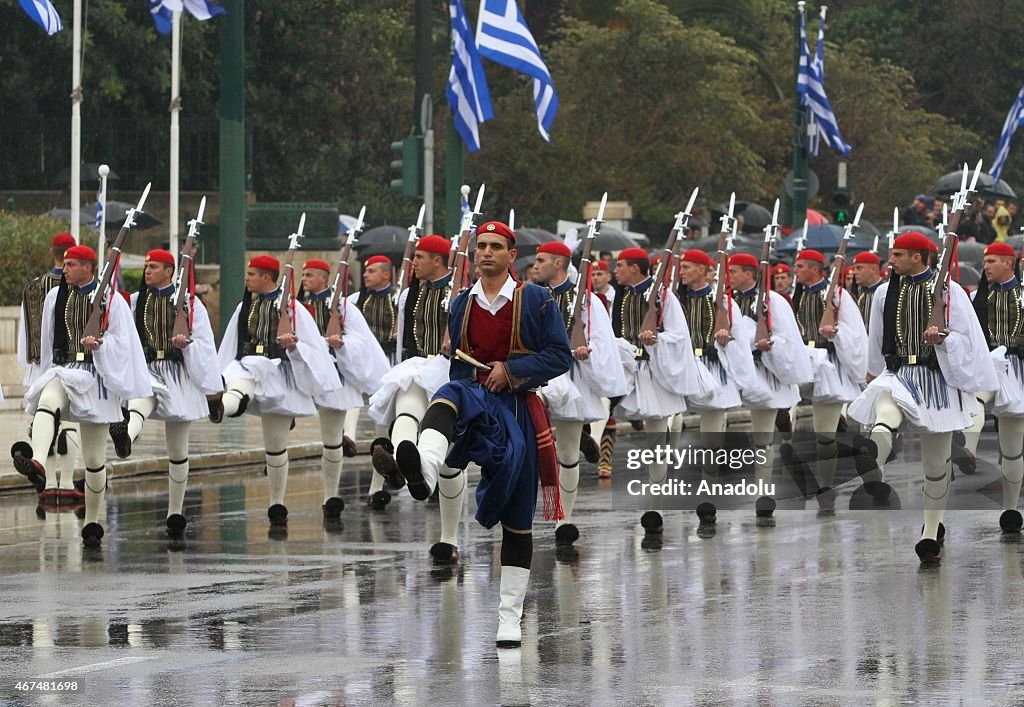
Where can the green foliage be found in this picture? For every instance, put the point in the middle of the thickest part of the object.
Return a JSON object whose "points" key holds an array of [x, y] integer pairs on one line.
{"points": [[26, 251]]}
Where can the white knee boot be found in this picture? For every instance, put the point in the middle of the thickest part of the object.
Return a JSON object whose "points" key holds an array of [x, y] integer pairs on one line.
{"points": [[510, 610]]}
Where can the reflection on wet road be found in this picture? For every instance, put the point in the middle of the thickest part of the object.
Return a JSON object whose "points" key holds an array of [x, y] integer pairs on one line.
{"points": [[811, 610]]}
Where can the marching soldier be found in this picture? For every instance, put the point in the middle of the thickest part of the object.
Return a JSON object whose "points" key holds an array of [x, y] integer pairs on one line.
{"points": [[60, 488], [596, 373], [664, 369], [515, 340], [867, 272], [781, 362], [999, 304], [725, 355], [402, 399], [273, 377], [930, 379], [359, 362], [782, 280], [183, 374], [839, 358], [82, 379]]}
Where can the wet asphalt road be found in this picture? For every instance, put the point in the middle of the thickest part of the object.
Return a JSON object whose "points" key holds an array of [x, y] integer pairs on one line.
{"points": [[814, 609]]}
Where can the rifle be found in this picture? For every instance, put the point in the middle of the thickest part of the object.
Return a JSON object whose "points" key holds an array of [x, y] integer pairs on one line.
{"points": [[95, 325], [764, 328], [459, 259], [577, 332], [726, 236], [651, 317], [182, 290], [336, 324], [415, 232], [828, 317], [285, 325], [960, 204]]}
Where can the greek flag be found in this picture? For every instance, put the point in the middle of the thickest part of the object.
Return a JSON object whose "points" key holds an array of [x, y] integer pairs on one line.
{"points": [[467, 85], [504, 38], [163, 11], [99, 210], [1014, 120], [810, 84], [44, 14]]}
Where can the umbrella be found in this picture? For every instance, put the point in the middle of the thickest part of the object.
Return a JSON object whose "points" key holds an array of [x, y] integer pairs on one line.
{"points": [[868, 229], [116, 211], [85, 218], [931, 233], [382, 236], [947, 184], [533, 237], [970, 276], [816, 218], [89, 173], [825, 238], [743, 244], [611, 239], [755, 217], [971, 253]]}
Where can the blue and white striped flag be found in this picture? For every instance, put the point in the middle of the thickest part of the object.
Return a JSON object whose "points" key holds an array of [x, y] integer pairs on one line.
{"points": [[1014, 119], [44, 14], [810, 85], [99, 210], [163, 11], [467, 85], [504, 38]]}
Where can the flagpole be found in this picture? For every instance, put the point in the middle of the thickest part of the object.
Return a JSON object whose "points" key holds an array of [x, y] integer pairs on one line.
{"points": [[104, 170], [799, 203], [76, 122], [175, 131]]}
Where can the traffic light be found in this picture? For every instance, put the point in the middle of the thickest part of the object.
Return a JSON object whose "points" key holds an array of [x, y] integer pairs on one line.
{"points": [[841, 206], [406, 169]]}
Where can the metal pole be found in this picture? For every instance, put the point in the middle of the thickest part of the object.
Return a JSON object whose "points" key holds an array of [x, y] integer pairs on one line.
{"points": [[172, 222], [427, 125], [232, 158], [76, 123], [799, 212], [453, 169]]}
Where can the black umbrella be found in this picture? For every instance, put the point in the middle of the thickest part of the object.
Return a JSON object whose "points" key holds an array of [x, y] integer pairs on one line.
{"points": [[116, 211], [89, 173], [743, 244], [971, 253], [380, 235], [947, 184], [533, 237], [932, 234], [611, 239]]}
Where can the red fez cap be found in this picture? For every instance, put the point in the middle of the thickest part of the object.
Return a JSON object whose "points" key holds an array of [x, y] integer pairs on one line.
{"points": [[64, 240], [160, 256], [434, 244], [633, 253], [1001, 249], [698, 256], [378, 260], [317, 264], [811, 255], [80, 252], [745, 260], [555, 248], [912, 240], [602, 265], [265, 262], [780, 268], [498, 229], [867, 258]]}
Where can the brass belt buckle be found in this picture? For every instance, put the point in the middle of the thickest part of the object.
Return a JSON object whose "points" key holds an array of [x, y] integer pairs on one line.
{"points": [[811, 344], [698, 352], [80, 356], [638, 352], [159, 355], [912, 360], [259, 348]]}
